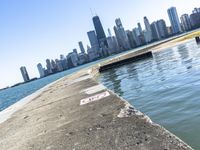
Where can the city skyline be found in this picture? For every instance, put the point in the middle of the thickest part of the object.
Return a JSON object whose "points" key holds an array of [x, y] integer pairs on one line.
{"points": [[33, 70]]}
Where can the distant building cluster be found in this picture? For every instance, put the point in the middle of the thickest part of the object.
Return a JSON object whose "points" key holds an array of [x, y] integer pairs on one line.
{"points": [[102, 46]]}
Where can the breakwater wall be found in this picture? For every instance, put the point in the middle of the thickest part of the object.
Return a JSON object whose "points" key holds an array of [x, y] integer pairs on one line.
{"points": [[130, 59], [78, 113]]}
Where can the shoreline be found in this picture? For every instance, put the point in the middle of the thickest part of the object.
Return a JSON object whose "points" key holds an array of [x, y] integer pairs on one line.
{"points": [[50, 118], [9, 111]]}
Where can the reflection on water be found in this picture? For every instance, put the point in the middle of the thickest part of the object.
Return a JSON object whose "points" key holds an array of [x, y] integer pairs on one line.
{"points": [[166, 87], [116, 82]]}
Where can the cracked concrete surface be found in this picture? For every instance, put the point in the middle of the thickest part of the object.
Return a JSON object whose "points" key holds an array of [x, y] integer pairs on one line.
{"points": [[55, 120]]}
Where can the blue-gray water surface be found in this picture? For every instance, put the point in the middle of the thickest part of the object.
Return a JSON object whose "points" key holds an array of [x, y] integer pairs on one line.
{"points": [[165, 87]]}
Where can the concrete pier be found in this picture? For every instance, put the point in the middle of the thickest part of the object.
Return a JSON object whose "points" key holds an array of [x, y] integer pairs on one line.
{"points": [[78, 113], [126, 60]]}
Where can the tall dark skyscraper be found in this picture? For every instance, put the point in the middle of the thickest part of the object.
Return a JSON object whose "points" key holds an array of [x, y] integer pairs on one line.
{"points": [[81, 47], [155, 31], [93, 40], [139, 27], [24, 74], [99, 31], [162, 28], [98, 28], [195, 18]]}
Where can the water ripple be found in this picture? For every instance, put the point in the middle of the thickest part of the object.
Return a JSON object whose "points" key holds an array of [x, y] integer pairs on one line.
{"points": [[167, 88]]}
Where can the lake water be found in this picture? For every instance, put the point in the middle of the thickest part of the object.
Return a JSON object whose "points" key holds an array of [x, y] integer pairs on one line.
{"points": [[12, 95], [165, 87]]}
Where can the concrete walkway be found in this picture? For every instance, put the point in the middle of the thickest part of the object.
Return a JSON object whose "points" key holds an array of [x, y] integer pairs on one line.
{"points": [[78, 113]]}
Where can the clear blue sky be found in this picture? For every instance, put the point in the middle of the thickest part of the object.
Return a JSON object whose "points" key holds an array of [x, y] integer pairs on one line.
{"points": [[33, 30]]}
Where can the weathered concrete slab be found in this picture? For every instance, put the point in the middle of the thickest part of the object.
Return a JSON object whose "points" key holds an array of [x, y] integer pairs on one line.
{"points": [[122, 60], [55, 120]]}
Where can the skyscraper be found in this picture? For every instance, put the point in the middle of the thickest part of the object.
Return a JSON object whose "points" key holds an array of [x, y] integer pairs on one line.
{"points": [[112, 43], [196, 10], [139, 27], [75, 51], [185, 21], [93, 40], [136, 34], [174, 20], [92, 54], [131, 38], [81, 47], [195, 19], [49, 67], [148, 30], [99, 31], [121, 35], [41, 70], [94, 51], [63, 61], [155, 32], [162, 28], [53, 65], [147, 24], [24, 74], [59, 65], [72, 59]]}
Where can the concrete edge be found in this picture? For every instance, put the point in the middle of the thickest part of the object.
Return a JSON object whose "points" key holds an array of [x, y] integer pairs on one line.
{"points": [[127, 111], [130, 110], [8, 112]]}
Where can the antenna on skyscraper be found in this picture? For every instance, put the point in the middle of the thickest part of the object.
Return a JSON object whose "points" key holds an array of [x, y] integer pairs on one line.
{"points": [[91, 12], [95, 12]]}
